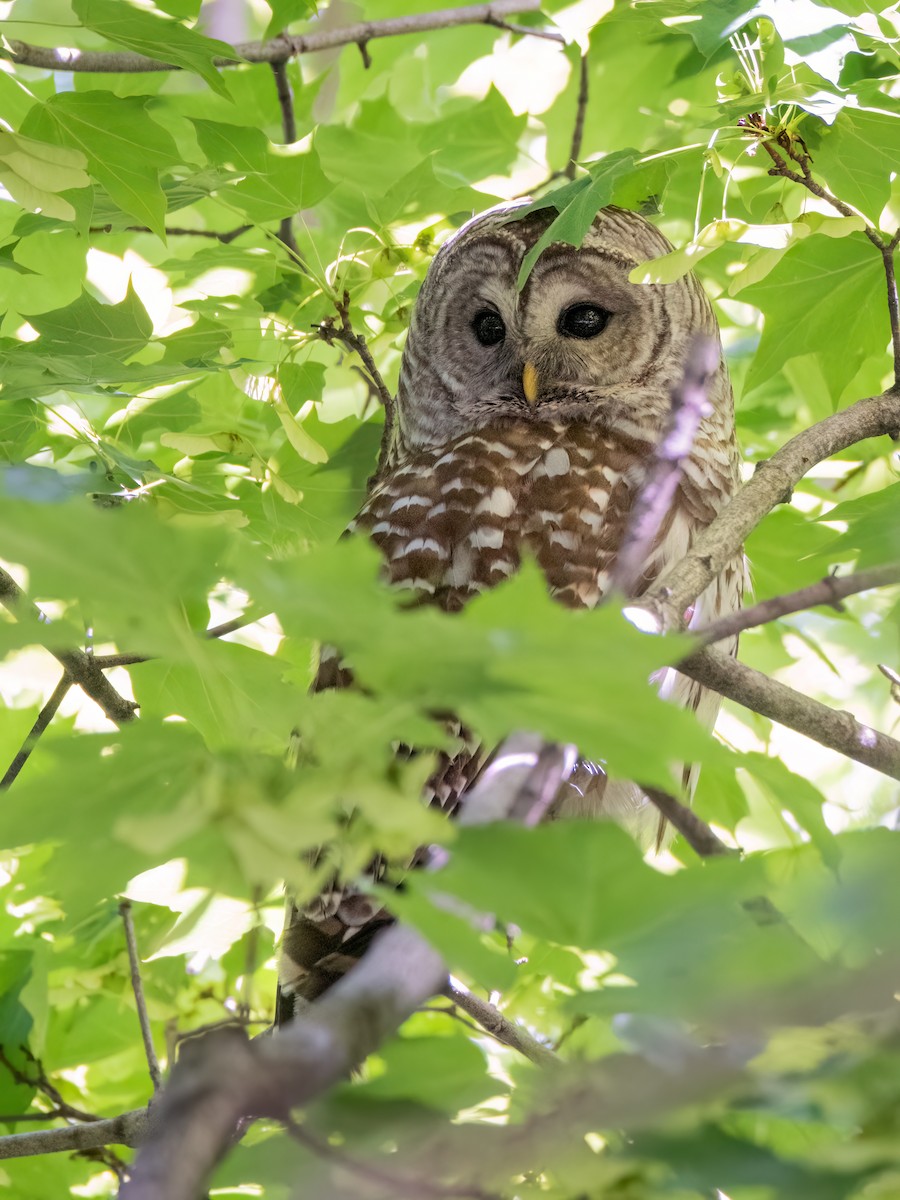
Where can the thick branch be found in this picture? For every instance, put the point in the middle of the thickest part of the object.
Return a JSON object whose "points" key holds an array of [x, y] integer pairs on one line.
{"points": [[831, 591], [223, 1077], [279, 49], [772, 484], [837, 730]]}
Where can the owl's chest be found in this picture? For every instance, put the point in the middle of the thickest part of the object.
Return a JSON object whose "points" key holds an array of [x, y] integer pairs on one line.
{"points": [[454, 521]]}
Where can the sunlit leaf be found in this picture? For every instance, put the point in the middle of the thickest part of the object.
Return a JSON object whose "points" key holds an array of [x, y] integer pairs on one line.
{"points": [[146, 33]]}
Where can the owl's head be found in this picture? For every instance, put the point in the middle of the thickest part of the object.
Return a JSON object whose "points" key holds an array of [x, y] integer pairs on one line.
{"points": [[576, 339]]}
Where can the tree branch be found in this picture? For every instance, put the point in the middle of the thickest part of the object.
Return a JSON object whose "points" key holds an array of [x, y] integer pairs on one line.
{"points": [[772, 484], [223, 1077], [838, 731], [128, 1129], [105, 661], [80, 667], [692, 828], [831, 591], [690, 404], [507, 1032], [137, 987], [225, 237], [277, 50]]}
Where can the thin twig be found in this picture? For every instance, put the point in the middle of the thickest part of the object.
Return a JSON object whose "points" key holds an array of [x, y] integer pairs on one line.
{"points": [[492, 1021], [137, 986], [107, 1158], [831, 591], [805, 179], [41, 1083], [176, 231], [344, 333], [690, 404], [45, 716], [105, 661], [692, 828], [397, 1184], [549, 35], [580, 111], [278, 49], [365, 55], [289, 129], [81, 668], [22, 1118], [890, 276]]}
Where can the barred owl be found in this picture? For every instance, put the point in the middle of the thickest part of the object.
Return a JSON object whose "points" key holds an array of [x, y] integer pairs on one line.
{"points": [[524, 423]]}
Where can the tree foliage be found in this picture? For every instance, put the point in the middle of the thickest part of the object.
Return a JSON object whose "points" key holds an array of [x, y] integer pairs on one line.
{"points": [[207, 274]]}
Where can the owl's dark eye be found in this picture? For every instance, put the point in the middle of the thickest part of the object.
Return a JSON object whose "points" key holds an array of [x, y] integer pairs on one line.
{"points": [[488, 327], [582, 321]]}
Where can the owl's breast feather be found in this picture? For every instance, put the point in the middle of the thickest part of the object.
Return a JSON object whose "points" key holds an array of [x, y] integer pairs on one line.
{"points": [[454, 520]]}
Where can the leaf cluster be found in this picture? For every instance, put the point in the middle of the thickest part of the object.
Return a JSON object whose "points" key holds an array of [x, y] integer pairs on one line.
{"points": [[181, 447]]}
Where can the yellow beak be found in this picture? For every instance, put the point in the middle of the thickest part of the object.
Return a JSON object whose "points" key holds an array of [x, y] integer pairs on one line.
{"points": [[530, 383]]}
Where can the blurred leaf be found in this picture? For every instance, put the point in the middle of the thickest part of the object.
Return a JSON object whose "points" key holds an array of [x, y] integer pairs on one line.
{"points": [[35, 173], [800, 798], [872, 536], [112, 562], [285, 12], [443, 1073]]}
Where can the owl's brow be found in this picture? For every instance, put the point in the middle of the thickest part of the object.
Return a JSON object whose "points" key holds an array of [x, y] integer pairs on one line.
{"points": [[489, 242], [560, 256]]}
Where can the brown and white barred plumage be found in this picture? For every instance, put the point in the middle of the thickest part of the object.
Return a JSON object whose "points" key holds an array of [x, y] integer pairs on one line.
{"points": [[478, 473]]}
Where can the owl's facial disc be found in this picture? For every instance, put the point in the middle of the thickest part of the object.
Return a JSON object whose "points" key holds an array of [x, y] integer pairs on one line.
{"points": [[578, 338]]}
